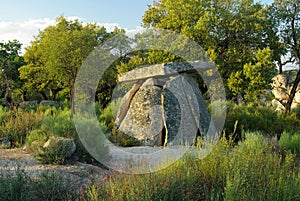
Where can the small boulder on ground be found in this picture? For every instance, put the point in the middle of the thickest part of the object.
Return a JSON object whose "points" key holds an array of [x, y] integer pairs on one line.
{"points": [[68, 146], [50, 103]]}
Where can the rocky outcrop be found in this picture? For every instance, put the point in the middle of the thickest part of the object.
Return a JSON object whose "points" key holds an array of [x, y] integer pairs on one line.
{"points": [[165, 106], [281, 89]]}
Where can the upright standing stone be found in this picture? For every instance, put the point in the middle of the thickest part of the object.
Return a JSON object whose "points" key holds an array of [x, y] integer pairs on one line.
{"points": [[143, 120]]}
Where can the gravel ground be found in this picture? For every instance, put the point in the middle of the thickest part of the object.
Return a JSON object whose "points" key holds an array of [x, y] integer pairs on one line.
{"points": [[79, 173]]}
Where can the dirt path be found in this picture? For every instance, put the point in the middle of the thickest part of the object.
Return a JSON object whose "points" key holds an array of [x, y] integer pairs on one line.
{"points": [[12, 159]]}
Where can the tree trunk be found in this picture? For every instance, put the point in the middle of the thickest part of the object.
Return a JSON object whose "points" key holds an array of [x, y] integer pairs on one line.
{"points": [[292, 94], [43, 95], [72, 99], [24, 96], [280, 67]]}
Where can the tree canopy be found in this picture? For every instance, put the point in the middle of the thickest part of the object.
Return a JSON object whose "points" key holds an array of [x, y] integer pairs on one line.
{"points": [[233, 33], [10, 62], [57, 53], [245, 39]]}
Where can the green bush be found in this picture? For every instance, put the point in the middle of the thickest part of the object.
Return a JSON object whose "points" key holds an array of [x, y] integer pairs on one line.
{"points": [[16, 125], [253, 117], [17, 187], [56, 123], [52, 186], [4, 113], [290, 142], [56, 153], [59, 123], [121, 139], [48, 186], [256, 173], [187, 179]]}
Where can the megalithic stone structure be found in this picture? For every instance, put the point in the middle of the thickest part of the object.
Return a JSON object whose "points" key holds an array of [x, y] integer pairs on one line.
{"points": [[164, 106]]}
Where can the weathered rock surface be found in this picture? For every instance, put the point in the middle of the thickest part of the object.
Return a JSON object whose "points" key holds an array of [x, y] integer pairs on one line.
{"points": [[297, 96], [125, 102], [5, 143], [143, 119], [28, 103], [79, 173], [185, 111], [50, 103], [281, 89]]}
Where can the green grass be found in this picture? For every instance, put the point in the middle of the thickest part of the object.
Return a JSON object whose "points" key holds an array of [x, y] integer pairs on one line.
{"points": [[48, 186], [242, 166], [251, 170]]}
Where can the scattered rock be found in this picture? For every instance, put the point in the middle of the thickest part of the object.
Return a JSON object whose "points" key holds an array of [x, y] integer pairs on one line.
{"points": [[297, 96], [279, 106], [50, 103], [28, 103], [6, 143]]}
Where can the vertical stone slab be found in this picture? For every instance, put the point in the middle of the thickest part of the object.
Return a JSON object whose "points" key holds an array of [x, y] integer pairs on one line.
{"points": [[126, 101], [143, 120], [185, 112]]}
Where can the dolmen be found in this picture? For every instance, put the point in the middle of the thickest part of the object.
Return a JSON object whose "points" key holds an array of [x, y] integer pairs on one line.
{"points": [[164, 105]]}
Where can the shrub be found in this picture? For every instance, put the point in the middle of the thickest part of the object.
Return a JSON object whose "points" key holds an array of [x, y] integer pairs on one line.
{"points": [[15, 187], [18, 124], [249, 171], [57, 151], [256, 173], [252, 117], [51, 186], [290, 142], [187, 179], [58, 123], [48, 186], [121, 139]]}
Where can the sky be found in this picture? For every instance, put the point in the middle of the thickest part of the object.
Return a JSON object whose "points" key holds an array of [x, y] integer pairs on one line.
{"points": [[22, 19]]}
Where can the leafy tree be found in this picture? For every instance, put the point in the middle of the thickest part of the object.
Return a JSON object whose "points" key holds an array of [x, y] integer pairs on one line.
{"points": [[286, 16], [10, 61], [254, 77], [37, 74], [57, 53], [231, 32], [120, 47]]}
